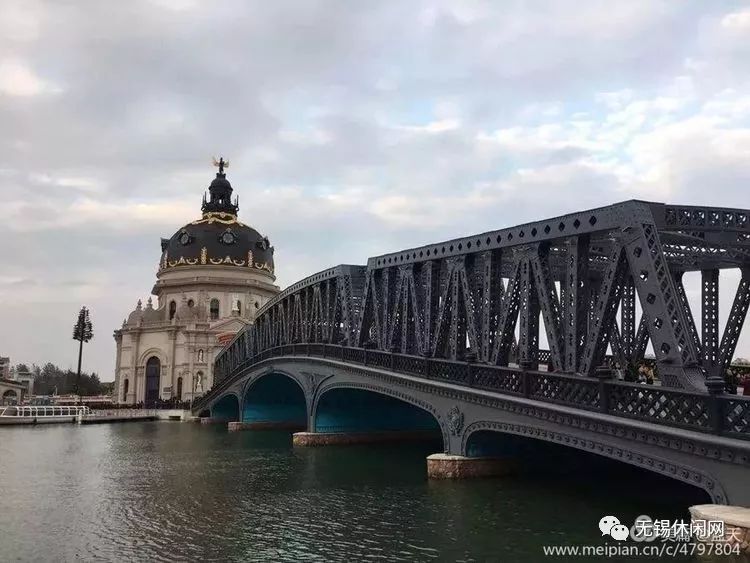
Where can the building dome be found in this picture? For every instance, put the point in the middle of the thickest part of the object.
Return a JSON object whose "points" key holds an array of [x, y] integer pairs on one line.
{"points": [[218, 238], [136, 314]]}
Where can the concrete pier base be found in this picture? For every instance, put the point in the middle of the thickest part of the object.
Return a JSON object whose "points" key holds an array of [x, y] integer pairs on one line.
{"points": [[736, 524], [445, 466], [293, 426], [349, 438], [212, 420]]}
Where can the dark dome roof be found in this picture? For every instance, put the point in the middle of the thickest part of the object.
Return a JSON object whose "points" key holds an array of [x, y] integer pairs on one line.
{"points": [[217, 240]]}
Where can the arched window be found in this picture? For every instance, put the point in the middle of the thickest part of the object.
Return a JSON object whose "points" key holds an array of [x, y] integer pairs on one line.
{"points": [[172, 309], [239, 307], [191, 302], [214, 309], [125, 387], [179, 389]]}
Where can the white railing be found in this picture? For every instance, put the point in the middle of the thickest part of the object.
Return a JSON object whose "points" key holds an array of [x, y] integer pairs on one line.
{"points": [[44, 411]]}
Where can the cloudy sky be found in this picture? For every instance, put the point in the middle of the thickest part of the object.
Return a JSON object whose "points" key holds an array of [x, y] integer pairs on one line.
{"points": [[353, 128]]}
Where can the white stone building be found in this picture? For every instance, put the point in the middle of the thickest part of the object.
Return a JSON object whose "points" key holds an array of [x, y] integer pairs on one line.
{"points": [[214, 274]]}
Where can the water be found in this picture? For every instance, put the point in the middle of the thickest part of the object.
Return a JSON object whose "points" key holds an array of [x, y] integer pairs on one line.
{"points": [[158, 491]]}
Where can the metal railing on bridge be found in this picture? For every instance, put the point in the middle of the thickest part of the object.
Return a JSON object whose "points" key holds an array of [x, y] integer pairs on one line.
{"points": [[716, 414]]}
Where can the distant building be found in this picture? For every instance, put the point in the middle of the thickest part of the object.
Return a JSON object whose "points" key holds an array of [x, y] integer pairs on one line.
{"points": [[4, 367], [11, 392], [214, 274], [25, 378]]}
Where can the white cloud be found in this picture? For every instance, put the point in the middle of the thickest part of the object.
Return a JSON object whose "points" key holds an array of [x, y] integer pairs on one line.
{"points": [[737, 21], [18, 79]]}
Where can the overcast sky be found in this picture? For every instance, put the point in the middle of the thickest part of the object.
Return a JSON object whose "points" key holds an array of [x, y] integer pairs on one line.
{"points": [[353, 129]]}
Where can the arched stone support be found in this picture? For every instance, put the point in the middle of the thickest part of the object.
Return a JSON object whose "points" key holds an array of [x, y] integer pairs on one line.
{"points": [[718, 466]]}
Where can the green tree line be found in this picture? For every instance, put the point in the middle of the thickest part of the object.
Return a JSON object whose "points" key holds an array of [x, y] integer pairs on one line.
{"points": [[51, 379]]}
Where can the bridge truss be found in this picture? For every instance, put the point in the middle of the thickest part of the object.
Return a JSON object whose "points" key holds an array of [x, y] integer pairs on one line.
{"points": [[581, 274]]}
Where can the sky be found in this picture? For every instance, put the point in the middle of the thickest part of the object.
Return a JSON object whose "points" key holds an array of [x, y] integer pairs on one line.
{"points": [[352, 129]]}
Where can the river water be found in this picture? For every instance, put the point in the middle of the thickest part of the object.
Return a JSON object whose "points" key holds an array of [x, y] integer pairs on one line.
{"points": [[159, 491]]}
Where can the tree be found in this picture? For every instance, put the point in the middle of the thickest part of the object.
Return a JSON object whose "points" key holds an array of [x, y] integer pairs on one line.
{"points": [[83, 332]]}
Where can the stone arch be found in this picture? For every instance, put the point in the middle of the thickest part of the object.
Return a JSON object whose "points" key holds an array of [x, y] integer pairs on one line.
{"points": [[153, 351], [679, 472], [9, 395], [275, 397], [402, 397]]}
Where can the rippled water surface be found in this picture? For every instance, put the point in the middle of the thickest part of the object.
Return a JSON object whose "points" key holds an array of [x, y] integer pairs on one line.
{"points": [[163, 491]]}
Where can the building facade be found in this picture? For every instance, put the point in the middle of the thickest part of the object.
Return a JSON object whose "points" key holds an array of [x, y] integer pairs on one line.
{"points": [[11, 392], [25, 378], [213, 275]]}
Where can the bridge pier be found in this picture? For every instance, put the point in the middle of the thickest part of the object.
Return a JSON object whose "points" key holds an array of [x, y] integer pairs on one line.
{"points": [[213, 420], [736, 529], [307, 439], [265, 425], [446, 466]]}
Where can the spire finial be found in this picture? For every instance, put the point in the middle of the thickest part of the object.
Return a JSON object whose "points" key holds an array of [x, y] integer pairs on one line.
{"points": [[221, 164]]}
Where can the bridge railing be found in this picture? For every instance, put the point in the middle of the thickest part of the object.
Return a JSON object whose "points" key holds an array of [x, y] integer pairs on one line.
{"points": [[716, 414]]}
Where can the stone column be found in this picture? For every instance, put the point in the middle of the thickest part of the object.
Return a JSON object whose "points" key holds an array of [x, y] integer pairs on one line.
{"points": [[136, 336], [173, 360], [118, 380], [189, 348]]}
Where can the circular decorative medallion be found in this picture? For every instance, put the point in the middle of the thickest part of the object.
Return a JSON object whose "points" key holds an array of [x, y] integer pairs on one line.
{"points": [[184, 238], [227, 237]]}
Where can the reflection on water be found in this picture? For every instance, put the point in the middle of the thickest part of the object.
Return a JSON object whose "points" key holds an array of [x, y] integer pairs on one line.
{"points": [[176, 491]]}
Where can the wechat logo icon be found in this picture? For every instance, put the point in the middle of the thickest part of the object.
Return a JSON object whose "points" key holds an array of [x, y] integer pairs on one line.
{"points": [[610, 526]]}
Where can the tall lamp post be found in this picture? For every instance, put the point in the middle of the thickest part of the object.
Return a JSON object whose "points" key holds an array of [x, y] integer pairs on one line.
{"points": [[83, 332]]}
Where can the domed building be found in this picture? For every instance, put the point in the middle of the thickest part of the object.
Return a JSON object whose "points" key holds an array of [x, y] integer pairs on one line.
{"points": [[214, 274]]}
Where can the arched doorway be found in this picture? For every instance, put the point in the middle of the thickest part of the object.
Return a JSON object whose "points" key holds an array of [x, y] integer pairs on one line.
{"points": [[179, 389], [125, 389], [10, 397], [153, 376]]}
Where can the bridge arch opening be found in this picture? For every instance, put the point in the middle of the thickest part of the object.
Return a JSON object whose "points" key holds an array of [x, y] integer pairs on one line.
{"points": [[553, 463], [227, 408], [275, 399], [354, 410]]}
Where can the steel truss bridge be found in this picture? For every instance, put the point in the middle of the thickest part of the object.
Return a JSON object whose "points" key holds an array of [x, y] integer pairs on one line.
{"points": [[453, 329]]}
